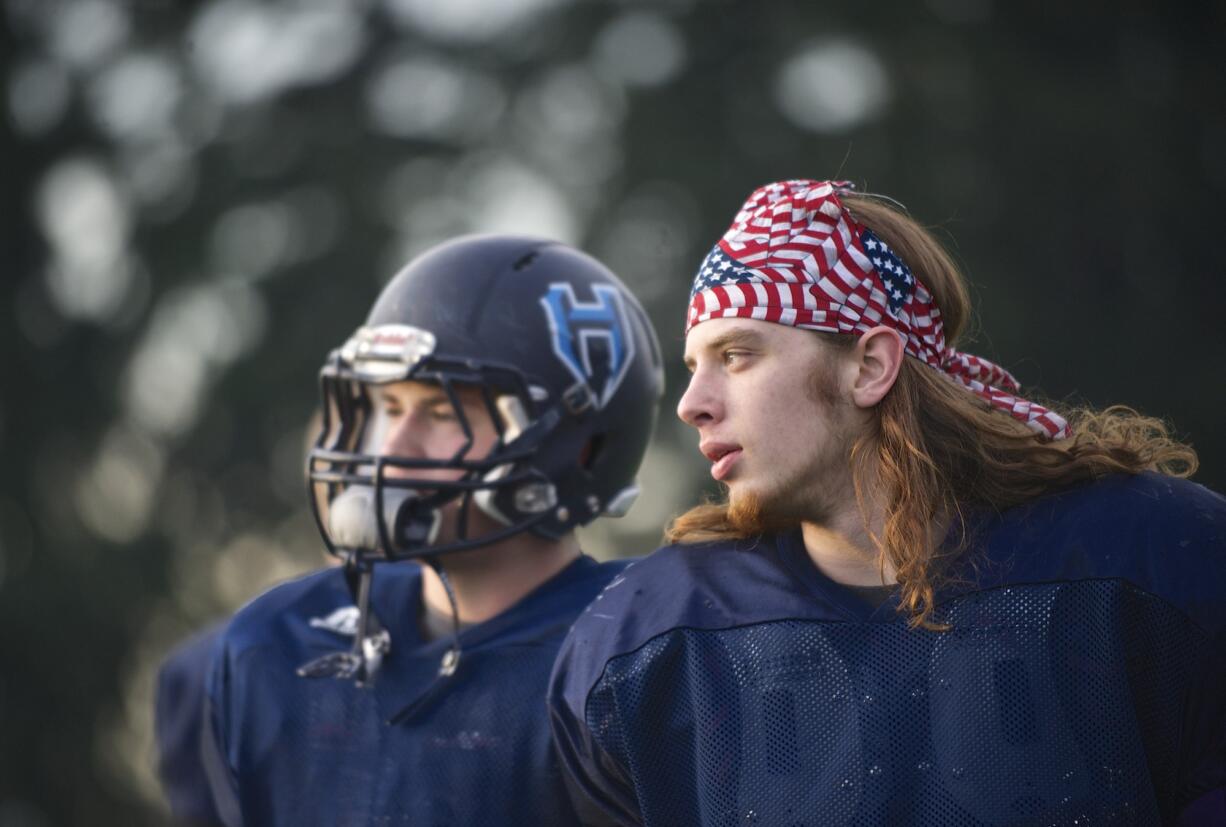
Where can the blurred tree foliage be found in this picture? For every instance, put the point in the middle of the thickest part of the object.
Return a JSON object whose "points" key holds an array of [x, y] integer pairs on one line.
{"points": [[204, 197]]}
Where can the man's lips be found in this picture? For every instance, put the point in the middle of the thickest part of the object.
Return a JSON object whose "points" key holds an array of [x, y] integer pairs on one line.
{"points": [[724, 465], [723, 455]]}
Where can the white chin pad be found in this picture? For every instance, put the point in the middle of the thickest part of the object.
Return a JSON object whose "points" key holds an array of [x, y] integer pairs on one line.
{"points": [[353, 523], [351, 519]]}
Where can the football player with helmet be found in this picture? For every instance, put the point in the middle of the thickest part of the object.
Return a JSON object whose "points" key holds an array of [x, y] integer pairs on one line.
{"points": [[501, 393]]}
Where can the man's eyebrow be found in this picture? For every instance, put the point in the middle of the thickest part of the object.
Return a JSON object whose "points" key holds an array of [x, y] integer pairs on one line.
{"points": [[430, 399], [736, 336]]}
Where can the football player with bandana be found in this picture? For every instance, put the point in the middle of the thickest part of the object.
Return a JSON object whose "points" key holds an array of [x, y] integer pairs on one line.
{"points": [[925, 599], [501, 393]]}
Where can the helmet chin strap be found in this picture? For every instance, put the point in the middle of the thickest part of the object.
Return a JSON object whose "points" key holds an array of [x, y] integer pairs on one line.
{"points": [[354, 528], [451, 658], [371, 641]]}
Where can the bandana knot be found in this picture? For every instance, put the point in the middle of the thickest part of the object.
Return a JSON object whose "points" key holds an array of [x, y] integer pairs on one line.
{"points": [[795, 256]]}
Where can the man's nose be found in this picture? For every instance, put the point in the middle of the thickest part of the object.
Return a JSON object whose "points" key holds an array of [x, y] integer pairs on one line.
{"points": [[699, 404], [403, 438]]}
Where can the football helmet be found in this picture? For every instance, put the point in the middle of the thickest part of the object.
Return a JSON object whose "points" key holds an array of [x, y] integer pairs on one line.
{"points": [[565, 362]]}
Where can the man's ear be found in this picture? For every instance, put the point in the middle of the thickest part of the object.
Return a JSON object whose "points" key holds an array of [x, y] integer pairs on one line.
{"points": [[878, 358]]}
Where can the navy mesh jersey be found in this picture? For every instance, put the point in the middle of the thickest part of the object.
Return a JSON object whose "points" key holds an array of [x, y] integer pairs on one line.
{"points": [[413, 749], [1083, 681]]}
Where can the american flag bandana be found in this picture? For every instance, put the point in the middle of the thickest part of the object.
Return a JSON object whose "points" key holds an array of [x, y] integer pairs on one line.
{"points": [[795, 256]]}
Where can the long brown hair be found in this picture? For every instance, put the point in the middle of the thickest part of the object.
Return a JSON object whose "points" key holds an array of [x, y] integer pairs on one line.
{"points": [[936, 452]]}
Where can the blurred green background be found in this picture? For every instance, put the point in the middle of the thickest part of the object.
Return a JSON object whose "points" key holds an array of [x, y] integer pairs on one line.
{"points": [[203, 198]]}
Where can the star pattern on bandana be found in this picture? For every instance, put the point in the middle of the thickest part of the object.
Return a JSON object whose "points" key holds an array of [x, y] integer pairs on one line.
{"points": [[719, 269], [895, 275]]}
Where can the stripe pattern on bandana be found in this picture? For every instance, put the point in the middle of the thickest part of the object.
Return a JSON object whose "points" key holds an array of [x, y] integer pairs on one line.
{"points": [[795, 256]]}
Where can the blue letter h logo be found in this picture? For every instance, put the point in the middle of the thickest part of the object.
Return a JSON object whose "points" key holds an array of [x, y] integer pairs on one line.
{"points": [[575, 325]]}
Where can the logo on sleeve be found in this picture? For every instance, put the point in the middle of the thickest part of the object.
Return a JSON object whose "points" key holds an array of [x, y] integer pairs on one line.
{"points": [[591, 338], [343, 621]]}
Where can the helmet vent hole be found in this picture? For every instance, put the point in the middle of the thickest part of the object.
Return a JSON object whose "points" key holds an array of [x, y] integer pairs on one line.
{"points": [[591, 452], [525, 260]]}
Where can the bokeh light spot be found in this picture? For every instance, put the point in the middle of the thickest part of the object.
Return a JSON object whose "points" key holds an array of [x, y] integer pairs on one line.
{"points": [[249, 51], [425, 97], [193, 333], [640, 49], [86, 221], [85, 32], [466, 21], [114, 495], [38, 96], [832, 86], [136, 97]]}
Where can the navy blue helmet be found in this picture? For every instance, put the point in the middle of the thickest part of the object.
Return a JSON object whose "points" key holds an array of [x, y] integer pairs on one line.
{"points": [[567, 365]]}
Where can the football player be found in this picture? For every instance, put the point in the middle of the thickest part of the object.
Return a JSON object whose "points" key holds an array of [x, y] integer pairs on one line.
{"points": [[501, 392], [925, 600]]}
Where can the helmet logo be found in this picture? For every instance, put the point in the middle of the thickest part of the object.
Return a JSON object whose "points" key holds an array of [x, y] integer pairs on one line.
{"points": [[582, 330]]}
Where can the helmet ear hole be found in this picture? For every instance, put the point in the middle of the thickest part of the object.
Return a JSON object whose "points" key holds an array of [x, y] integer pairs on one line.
{"points": [[591, 452]]}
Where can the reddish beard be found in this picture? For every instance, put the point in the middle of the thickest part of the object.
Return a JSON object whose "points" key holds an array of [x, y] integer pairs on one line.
{"points": [[750, 515], [745, 515]]}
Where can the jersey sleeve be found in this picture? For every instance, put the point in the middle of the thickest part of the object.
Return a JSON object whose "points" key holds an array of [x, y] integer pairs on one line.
{"points": [[596, 781], [216, 739], [1203, 754], [1189, 542], [179, 726], [590, 725]]}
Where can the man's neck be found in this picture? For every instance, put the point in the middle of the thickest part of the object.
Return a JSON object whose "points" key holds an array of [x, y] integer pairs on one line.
{"points": [[843, 551], [489, 580], [841, 544]]}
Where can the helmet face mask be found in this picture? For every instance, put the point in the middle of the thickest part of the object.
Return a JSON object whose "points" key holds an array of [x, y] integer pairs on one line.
{"points": [[540, 342], [405, 496]]}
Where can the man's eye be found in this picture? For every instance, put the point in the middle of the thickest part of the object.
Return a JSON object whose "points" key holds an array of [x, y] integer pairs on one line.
{"points": [[733, 356], [442, 414]]}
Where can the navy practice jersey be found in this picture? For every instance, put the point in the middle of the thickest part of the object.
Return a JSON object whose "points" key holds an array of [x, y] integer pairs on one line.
{"points": [[413, 749], [1083, 680], [178, 723]]}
